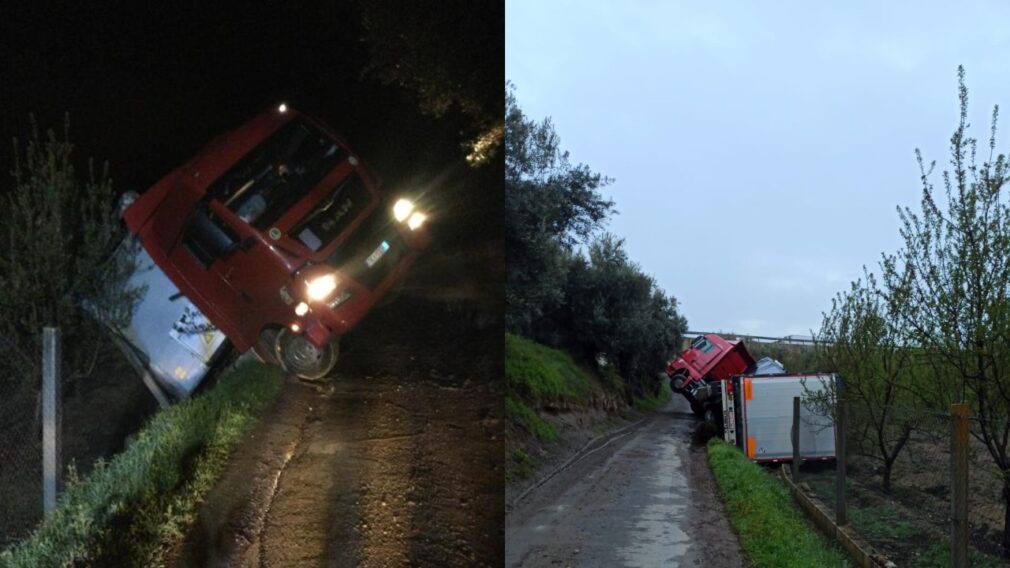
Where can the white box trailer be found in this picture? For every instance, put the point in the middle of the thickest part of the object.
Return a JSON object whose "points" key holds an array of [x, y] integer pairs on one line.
{"points": [[758, 416]]}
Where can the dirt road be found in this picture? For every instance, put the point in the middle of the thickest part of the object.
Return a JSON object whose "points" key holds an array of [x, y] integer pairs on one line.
{"points": [[398, 461], [640, 497]]}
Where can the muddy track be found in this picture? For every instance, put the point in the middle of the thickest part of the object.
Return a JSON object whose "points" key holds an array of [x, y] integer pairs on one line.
{"points": [[397, 461], [640, 496]]}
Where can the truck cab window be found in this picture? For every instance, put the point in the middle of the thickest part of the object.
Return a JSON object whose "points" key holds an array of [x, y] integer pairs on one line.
{"points": [[262, 186]]}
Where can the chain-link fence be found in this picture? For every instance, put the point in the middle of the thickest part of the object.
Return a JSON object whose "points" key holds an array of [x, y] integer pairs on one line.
{"points": [[899, 483], [20, 444], [100, 410]]}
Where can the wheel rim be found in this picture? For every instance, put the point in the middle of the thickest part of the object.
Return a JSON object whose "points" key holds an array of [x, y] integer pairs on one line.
{"points": [[303, 354], [299, 356]]}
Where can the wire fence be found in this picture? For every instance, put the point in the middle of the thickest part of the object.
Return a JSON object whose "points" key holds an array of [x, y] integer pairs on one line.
{"points": [[20, 446], [899, 478], [100, 411]]}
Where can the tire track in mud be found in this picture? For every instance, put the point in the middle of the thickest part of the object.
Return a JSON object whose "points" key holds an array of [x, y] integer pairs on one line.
{"points": [[640, 496], [369, 471]]}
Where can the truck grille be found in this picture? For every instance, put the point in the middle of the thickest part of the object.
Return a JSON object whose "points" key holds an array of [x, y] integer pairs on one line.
{"points": [[352, 255]]}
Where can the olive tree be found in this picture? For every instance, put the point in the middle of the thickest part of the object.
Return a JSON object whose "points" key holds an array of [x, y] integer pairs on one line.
{"points": [[551, 205]]}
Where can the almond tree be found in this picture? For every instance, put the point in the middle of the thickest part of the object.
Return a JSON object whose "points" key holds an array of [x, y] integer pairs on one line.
{"points": [[949, 286], [58, 230], [860, 339]]}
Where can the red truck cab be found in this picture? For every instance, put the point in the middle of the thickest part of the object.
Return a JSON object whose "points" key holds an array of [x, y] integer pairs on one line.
{"points": [[710, 358], [280, 235]]}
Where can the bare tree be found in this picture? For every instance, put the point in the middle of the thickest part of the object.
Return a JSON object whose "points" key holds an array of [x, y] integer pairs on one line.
{"points": [[948, 286], [860, 338], [58, 235]]}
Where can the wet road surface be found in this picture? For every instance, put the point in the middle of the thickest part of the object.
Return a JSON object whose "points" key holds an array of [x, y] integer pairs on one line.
{"points": [[398, 461], [644, 499]]}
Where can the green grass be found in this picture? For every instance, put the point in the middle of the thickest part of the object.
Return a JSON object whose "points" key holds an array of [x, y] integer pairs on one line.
{"points": [[882, 522], [522, 465], [772, 530], [127, 512], [652, 403], [527, 418], [536, 372], [938, 556]]}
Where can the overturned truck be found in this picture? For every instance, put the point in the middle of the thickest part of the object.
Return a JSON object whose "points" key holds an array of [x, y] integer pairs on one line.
{"points": [[274, 238], [750, 402]]}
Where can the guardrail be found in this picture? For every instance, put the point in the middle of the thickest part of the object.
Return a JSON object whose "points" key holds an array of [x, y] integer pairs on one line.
{"points": [[787, 340]]}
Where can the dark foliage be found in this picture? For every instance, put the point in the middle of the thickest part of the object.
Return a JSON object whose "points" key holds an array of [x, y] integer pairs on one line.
{"points": [[596, 303]]}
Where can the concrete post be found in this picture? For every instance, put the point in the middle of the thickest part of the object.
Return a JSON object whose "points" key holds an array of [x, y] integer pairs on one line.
{"points": [[796, 440], [52, 417], [841, 515]]}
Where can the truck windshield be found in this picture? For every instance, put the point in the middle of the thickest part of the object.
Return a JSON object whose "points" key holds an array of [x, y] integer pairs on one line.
{"points": [[276, 174]]}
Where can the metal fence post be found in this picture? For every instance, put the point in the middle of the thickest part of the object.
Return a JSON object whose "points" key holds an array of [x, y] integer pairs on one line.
{"points": [[959, 485], [51, 417], [841, 516], [796, 440]]}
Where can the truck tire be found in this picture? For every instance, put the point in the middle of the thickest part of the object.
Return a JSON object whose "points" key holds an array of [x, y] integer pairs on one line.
{"points": [[712, 416], [698, 409], [677, 382], [299, 357]]}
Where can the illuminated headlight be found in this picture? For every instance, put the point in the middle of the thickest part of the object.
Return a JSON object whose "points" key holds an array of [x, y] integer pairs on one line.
{"points": [[321, 287], [416, 220], [282, 108], [301, 309], [402, 209]]}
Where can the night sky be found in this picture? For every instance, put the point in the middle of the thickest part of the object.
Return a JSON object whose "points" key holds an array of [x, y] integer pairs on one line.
{"points": [[146, 87]]}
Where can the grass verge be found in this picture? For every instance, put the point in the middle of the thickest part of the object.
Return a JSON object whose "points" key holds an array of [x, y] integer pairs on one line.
{"points": [[652, 403], [127, 512], [537, 372], [772, 530], [519, 413]]}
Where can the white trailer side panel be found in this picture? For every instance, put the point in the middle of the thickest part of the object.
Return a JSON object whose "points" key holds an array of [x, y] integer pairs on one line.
{"points": [[768, 418]]}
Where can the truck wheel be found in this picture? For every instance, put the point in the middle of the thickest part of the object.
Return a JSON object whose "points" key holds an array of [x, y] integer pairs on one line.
{"points": [[698, 409], [300, 357], [712, 417], [677, 382]]}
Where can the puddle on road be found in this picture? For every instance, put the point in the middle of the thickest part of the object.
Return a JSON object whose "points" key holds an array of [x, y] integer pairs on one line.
{"points": [[657, 539]]}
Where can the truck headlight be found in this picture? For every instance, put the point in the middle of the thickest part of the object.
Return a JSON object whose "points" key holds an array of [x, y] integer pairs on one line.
{"points": [[320, 287], [402, 209], [416, 220]]}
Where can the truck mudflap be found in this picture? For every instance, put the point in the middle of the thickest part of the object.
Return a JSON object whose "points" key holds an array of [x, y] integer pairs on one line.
{"points": [[166, 338]]}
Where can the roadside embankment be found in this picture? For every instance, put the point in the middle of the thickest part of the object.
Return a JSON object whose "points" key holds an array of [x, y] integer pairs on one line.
{"points": [[128, 511], [556, 407]]}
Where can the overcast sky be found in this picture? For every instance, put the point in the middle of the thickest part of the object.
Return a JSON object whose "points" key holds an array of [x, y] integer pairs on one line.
{"points": [[759, 149]]}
